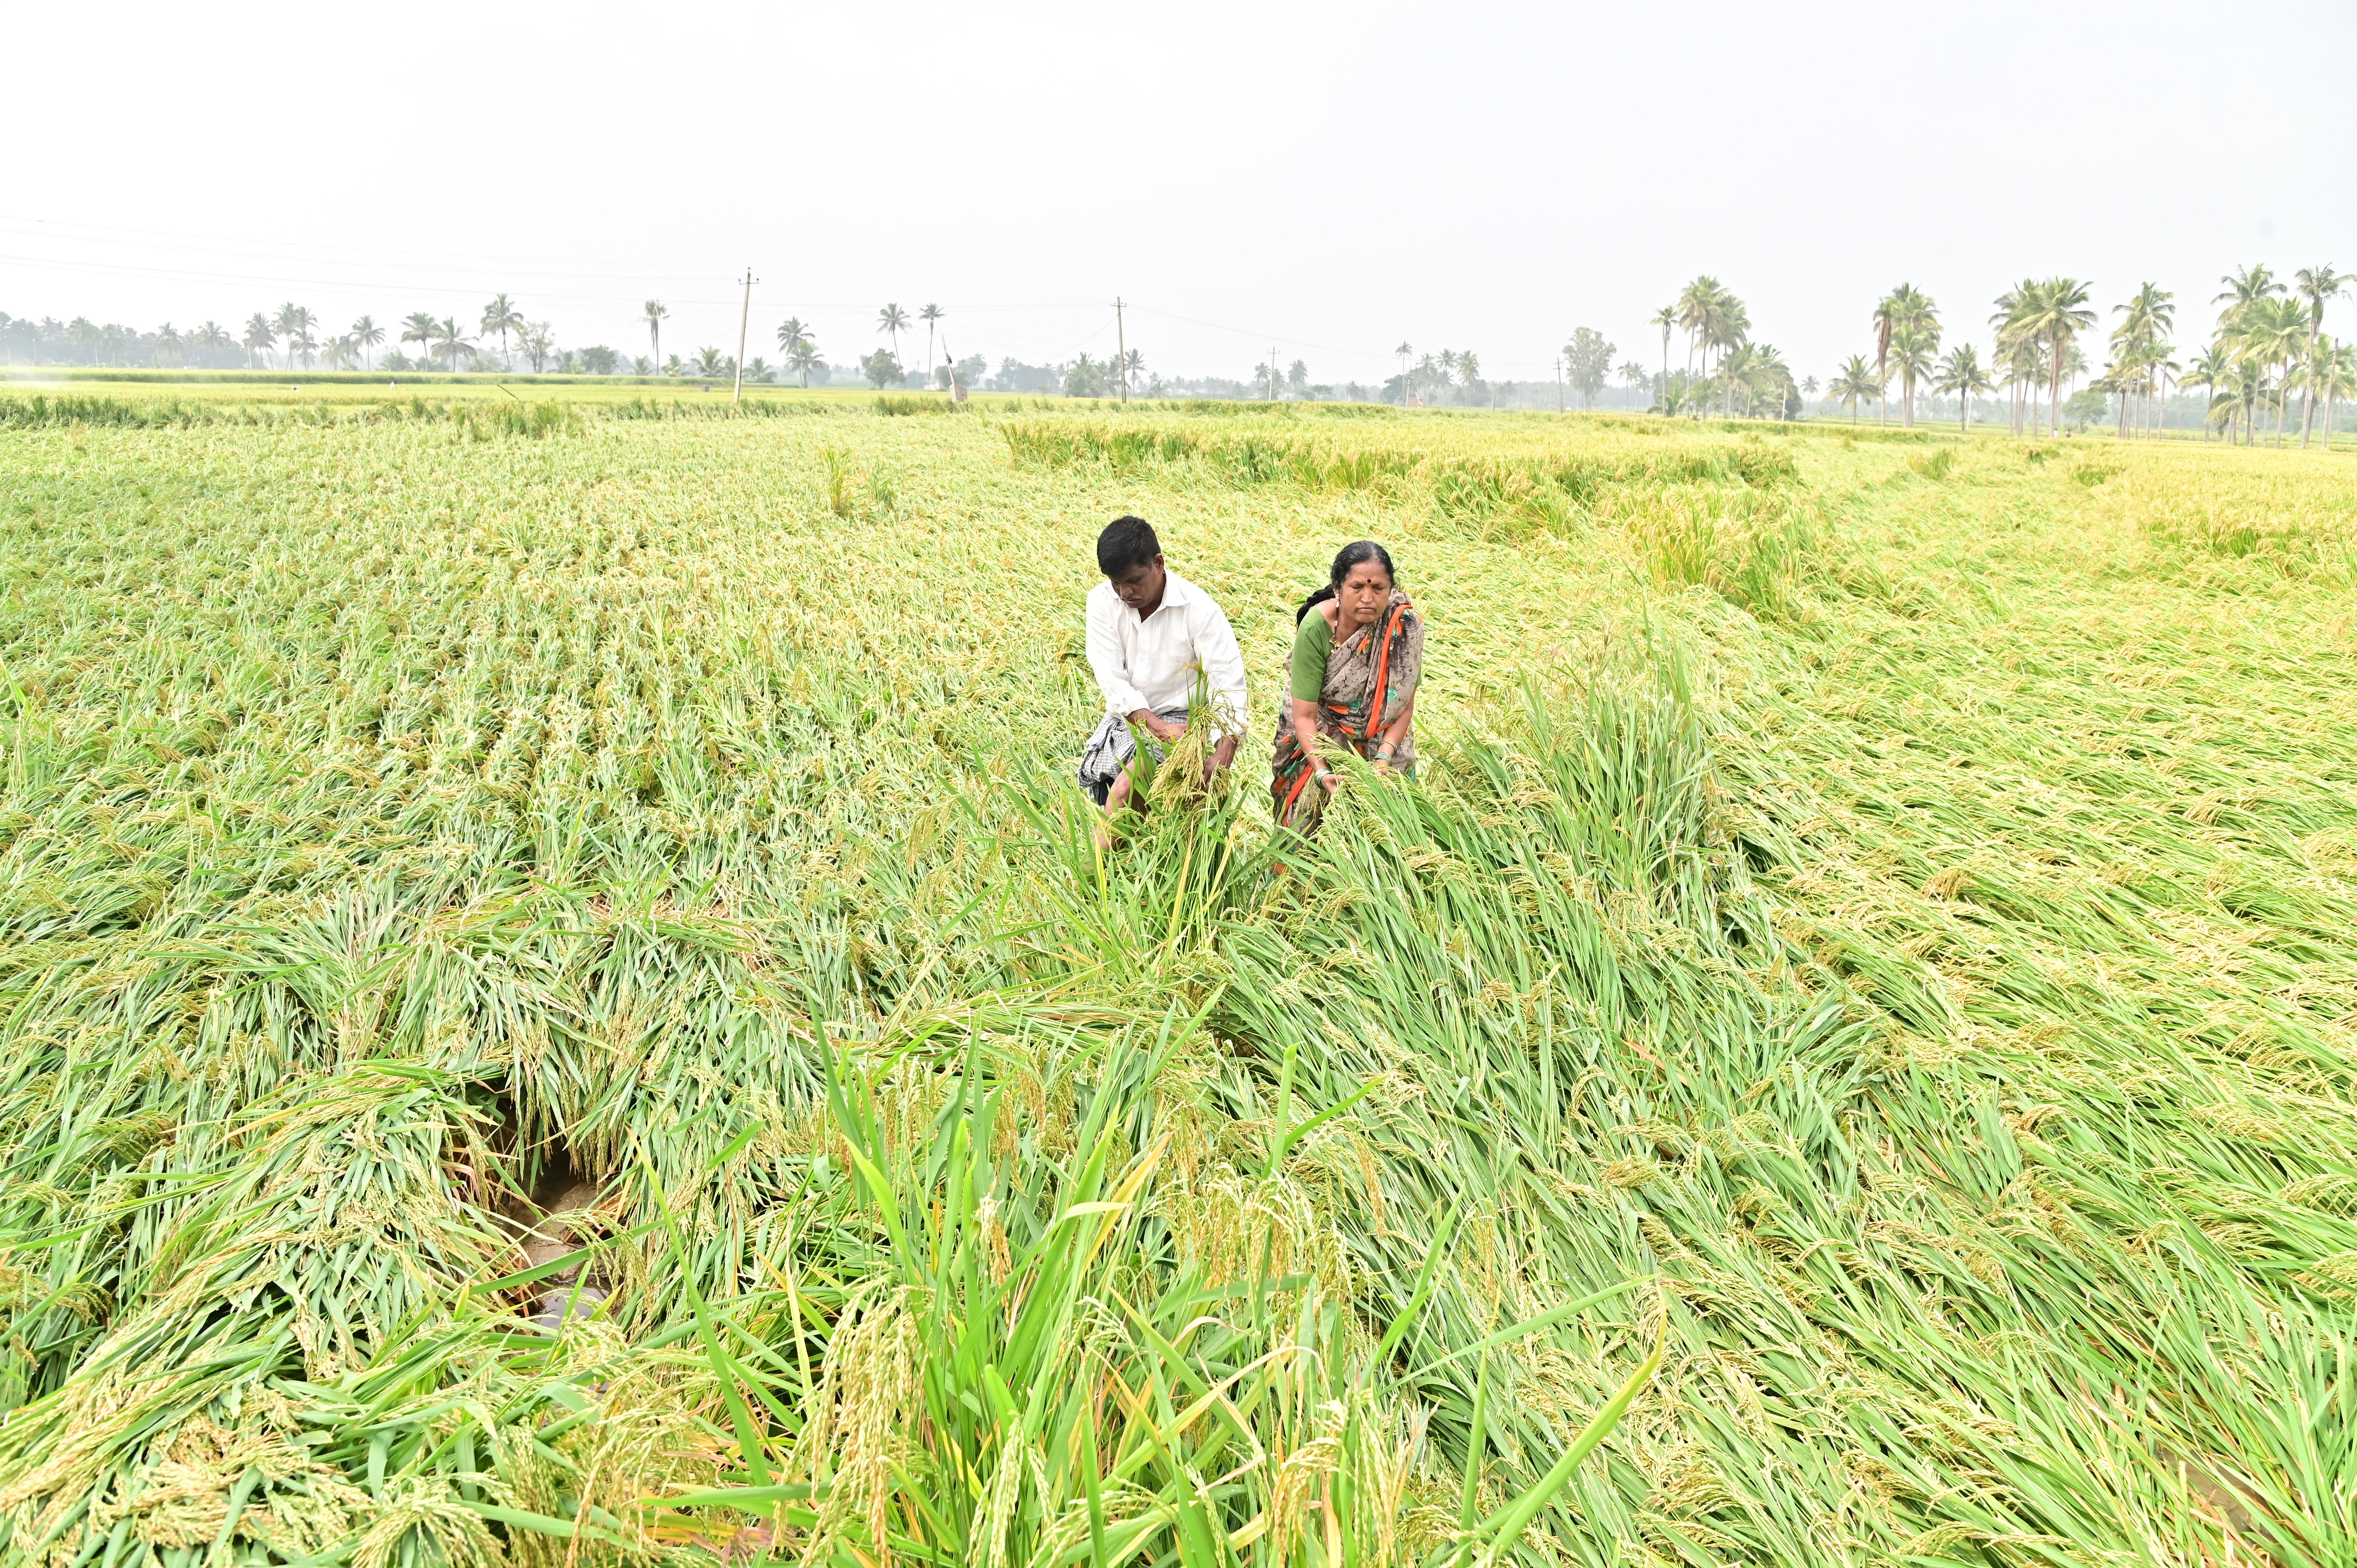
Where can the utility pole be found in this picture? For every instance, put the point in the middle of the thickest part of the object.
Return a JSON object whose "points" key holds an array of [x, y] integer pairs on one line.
{"points": [[1272, 372], [957, 392], [742, 316], [1121, 347], [1558, 383]]}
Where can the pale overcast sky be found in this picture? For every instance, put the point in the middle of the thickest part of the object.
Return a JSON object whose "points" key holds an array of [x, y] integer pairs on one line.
{"points": [[1330, 178]]}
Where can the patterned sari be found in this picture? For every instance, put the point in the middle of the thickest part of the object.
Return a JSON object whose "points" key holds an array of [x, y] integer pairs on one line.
{"points": [[1370, 675]]}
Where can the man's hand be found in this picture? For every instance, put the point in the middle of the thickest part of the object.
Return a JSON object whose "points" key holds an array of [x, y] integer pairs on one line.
{"points": [[1156, 725], [1221, 756]]}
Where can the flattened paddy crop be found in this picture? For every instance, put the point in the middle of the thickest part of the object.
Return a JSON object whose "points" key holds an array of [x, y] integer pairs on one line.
{"points": [[557, 1003]]}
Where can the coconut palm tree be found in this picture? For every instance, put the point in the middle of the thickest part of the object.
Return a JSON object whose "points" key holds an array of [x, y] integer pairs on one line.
{"points": [[1755, 374], [258, 339], [293, 320], [1914, 348], [1885, 324], [1695, 303], [893, 321], [1665, 318], [2209, 373], [418, 327], [211, 339], [2245, 289], [2245, 286], [2013, 349], [1771, 379], [1962, 373], [2331, 376], [929, 315], [451, 345], [653, 316], [2121, 376], [2137, 340], [1727, 327], [1403, 350], [804, 357], [1854, 379], [2315, 285], [2280, 333], [2246, 330], [501, 316], [1906, 307], [2245, 393], [367, 335], [791, 331], [2055, 316]]}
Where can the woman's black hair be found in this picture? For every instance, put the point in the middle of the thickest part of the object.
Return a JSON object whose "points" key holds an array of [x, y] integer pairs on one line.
{"points": [[1356, 553]]}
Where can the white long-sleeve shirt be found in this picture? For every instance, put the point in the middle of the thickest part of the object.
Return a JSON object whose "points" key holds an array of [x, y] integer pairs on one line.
{"points": [[1151, 663]]}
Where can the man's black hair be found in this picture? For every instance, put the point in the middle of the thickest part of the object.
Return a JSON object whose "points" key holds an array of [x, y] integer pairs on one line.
{"points": [[1126, 542]]}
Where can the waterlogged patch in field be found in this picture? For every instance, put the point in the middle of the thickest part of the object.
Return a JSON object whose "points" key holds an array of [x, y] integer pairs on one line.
{"points": [[557, 1003]]}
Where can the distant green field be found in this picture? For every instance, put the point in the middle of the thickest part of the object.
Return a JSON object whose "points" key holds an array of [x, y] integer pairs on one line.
{"points": [[347, 385], [1869, 973]]}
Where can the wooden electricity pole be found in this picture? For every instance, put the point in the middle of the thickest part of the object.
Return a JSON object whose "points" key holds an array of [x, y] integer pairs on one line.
{"points": [[1121, 347], [1272, 372], [1558, 383], [742, 316]]}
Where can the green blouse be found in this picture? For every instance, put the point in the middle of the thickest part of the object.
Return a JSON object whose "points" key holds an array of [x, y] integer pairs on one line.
{"points": [[1313, 639]]}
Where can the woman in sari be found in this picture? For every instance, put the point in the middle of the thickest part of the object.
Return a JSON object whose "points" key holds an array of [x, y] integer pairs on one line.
{"points": [[1358, 650]]}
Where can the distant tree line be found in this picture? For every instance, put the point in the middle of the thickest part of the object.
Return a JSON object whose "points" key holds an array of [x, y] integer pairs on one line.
{"points": [[2267, 350], [2269, 356]]}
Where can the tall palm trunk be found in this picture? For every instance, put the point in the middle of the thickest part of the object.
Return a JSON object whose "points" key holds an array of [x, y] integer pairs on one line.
{"points": [[2054, 393], [2308, 398]]}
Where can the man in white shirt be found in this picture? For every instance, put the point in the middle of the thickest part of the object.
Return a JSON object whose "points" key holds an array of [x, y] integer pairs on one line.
{"points": [[1154, 638]]}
